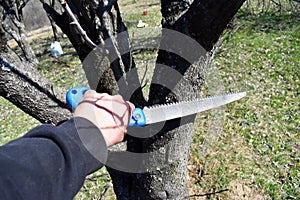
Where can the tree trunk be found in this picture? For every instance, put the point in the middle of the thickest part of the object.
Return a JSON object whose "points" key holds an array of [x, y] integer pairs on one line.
{"points": [[179, 74]]}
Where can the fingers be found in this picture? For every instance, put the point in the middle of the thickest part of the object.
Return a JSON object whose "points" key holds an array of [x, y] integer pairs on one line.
{"points": [[95, 95], [121, 110], [132, 107], [103, 96], [111, 114]]}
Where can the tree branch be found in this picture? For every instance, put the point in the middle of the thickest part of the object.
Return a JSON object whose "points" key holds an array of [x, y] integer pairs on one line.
{"points": [[74, 22], [206, 194], [21, 84], [204, 21], [13, 14], [63, 21]]}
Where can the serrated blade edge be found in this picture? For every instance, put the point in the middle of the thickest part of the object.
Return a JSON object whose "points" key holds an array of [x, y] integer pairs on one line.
{"points": [[166, 112]]}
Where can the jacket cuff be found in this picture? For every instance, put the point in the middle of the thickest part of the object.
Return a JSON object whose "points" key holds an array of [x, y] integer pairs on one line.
{"points": [[90, 138]]}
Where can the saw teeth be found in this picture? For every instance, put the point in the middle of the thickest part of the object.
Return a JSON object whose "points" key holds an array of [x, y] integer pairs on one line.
{"points": [[168, 104], [190, 101]]}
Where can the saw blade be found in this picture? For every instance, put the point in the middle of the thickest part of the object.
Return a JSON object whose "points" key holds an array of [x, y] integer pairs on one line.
{"points": [[166, 112]]}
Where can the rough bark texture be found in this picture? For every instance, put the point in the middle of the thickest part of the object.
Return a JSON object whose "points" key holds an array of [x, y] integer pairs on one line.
{"points": [[172, 143], [103, 24], [25, 87], [204, 21], [22, 85], [12, 22]]}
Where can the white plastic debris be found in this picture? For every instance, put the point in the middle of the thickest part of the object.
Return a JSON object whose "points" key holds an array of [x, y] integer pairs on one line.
{"points": [[56, 49], [141, 24]]}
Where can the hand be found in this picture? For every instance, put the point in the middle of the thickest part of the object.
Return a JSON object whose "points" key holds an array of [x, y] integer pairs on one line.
{"points": [[111, 114]]}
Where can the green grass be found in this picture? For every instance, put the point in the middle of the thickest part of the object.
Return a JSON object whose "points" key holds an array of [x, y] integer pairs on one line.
{"points": [[255, 154], [14, 123], [65, 71], [262, 57]]}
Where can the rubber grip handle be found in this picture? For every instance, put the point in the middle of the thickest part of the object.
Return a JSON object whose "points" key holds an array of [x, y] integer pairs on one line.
{"points": [[74, 95], [138, 118]]}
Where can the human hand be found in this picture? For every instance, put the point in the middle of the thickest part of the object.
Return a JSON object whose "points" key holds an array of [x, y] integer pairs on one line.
{"points": [[111, 114]]}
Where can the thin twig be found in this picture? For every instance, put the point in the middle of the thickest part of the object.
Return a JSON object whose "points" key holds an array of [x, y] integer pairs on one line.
{"points": [[106, 187], [144, 77], [207, 194], [80, 29]]}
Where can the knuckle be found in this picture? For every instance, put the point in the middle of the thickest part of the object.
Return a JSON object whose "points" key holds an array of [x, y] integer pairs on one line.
{"points": [[117, 97]]}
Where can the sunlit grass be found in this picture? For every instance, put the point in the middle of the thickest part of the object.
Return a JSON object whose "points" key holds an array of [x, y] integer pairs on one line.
{"points": [[263, 58]]}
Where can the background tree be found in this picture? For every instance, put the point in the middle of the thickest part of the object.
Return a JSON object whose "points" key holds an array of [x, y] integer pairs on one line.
{"points": [[54, 29], [92, 25], [12, 22], [273, 5]]}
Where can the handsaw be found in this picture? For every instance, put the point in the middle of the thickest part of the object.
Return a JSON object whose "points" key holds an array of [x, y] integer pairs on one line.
{"points": [[164, 112]]}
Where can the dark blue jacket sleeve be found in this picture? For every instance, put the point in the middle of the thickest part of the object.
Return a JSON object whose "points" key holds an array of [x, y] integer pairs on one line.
{"points": [[51, 162]]}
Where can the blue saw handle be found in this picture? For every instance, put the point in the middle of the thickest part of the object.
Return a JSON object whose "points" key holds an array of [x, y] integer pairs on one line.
{"points": [[74, 95], [138, 118]]}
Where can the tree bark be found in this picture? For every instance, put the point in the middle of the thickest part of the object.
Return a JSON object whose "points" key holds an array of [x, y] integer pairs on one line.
{"points": [[12, 16], [103, 25], [21, 84], [204, 21]]}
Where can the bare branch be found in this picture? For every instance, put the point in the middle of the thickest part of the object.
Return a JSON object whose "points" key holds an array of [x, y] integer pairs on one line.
{"points": [[80, 29], [206, 194], [18, 33]]}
